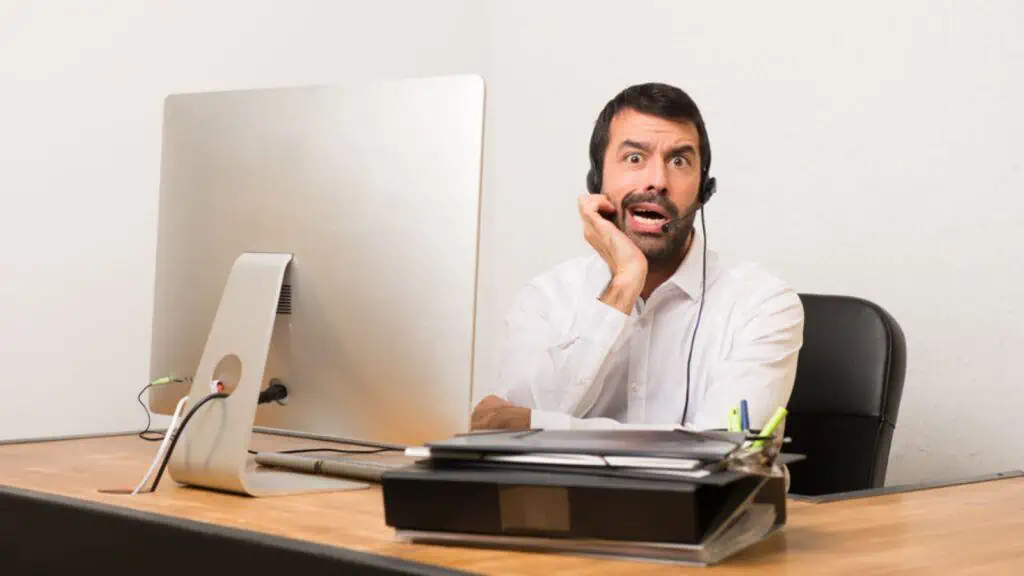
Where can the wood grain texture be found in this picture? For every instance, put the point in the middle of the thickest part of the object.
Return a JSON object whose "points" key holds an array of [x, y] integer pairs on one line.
{"points": [[970, 528]]}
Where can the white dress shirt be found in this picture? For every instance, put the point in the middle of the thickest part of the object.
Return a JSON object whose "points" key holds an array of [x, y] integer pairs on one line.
{"points": [[580, 363]]}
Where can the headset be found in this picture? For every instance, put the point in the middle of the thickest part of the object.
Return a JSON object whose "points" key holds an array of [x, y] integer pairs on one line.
{"points": [[708, 187], [708, 184]]}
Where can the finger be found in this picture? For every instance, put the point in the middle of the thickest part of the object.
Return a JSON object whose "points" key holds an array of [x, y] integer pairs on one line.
{"points": [[477, 423], [480, 417], [597, 211], [594, 203], [493, 401], [585, 205], [604, 204]]}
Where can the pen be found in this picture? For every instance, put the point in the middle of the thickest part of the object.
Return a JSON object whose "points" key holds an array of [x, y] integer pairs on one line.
{"points": [[734, 420], [744, 416], [773, 423]]}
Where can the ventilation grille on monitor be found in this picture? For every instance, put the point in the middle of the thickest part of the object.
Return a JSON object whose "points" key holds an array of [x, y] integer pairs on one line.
{"points": [[284, 303]]}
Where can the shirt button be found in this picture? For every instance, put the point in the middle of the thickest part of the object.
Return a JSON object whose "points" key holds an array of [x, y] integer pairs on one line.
{"points": [[635, 387]]}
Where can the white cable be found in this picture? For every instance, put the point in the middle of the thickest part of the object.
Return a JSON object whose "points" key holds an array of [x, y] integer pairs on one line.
{"points": [[163, 445]]}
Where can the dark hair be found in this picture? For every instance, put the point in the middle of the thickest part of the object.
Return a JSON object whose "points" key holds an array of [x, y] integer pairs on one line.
{"points": [[659, 100]]}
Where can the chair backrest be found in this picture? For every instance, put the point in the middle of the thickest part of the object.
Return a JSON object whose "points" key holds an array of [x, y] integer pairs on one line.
{"points": [[849, 382]]}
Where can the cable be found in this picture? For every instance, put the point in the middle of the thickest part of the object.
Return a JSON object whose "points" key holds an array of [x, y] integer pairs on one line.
{"points": [[177, 434], [700, 311], [163, 446], [333, 450], [276, 392], [369, 444], [152, 435], [327, 438], [339, 451]]}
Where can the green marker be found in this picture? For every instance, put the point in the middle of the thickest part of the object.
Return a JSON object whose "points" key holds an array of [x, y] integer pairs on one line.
{"points": [[734, 420], [773, 423]]}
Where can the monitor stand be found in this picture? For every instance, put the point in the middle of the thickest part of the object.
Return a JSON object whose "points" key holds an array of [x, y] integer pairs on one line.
{"points": [[213, 450]]}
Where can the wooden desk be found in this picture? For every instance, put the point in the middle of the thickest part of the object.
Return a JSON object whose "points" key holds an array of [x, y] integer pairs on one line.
{"points": [[974, 527]]}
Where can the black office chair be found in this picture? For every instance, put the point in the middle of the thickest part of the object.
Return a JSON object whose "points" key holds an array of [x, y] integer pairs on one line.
{"points": [[849, 381]]}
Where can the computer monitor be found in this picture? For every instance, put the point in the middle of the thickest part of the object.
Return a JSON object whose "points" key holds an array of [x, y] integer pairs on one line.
{"points": [[371, 191]]}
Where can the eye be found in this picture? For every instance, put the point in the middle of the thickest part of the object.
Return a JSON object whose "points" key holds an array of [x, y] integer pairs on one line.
{"points": [[680, 161], [633, 158]]}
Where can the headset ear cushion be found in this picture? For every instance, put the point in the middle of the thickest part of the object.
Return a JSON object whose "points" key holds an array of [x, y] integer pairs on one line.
{"points": [[593, 182], [710, 187]]}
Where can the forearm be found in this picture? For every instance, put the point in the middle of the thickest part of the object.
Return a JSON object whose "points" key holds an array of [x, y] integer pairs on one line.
{"points": [[563, 374], [622, 292]]}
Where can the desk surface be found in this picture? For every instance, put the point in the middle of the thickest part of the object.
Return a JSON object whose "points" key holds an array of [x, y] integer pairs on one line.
{"points": [[969, 527]]}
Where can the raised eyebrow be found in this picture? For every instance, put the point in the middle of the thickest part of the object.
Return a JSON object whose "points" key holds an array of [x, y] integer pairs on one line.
{"points": [[682, 150], [633, 144]]}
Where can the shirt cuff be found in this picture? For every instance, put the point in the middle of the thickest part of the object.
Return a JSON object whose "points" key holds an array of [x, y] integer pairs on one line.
{"points": [[549, 420]]}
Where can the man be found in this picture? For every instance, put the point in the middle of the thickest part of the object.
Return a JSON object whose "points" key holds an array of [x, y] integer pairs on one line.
{"points": [[653, 328]]}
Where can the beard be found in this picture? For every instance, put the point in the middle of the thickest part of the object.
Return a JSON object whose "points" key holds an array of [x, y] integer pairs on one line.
{"points": [[663, 247]]}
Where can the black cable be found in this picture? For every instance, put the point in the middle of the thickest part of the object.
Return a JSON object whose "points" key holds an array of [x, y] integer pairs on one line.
{"points": [[331, 439], [276, 392], [338, 450], [368, 444], [178, 433], [147, 434], [700, 311], [334, 450]]}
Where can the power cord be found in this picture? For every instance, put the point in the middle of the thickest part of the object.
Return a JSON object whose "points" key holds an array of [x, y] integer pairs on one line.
{"points": [[163, 446], [179, 432], [368, 444], [152, 435], [274, 393], [332, 450]]}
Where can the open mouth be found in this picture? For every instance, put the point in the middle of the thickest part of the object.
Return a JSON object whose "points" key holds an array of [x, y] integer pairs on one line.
{"points": [[647, 217]]}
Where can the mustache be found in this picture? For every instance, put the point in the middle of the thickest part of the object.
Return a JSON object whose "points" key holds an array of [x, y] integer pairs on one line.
{"points": [[650, 197]]}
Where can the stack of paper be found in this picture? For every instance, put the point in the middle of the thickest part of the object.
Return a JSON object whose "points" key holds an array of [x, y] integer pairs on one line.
{"points": [[698, 496]]}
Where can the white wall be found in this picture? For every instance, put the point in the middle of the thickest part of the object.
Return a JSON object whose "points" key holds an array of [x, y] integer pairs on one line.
{"points": [[865, 148], [81, 95]]}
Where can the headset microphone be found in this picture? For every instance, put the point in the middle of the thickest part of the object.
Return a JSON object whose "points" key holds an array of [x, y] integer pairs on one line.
{"points": [[707, 190], [690, 212]]}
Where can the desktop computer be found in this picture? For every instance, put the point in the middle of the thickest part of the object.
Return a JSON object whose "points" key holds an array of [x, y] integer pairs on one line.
{"points": [[324, 237]]}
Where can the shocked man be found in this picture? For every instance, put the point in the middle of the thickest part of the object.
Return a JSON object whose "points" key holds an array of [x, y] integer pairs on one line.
{"points": [[653, 328]]}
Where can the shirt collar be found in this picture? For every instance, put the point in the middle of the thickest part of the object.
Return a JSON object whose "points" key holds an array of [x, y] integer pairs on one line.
{"points": [[688, 276]]}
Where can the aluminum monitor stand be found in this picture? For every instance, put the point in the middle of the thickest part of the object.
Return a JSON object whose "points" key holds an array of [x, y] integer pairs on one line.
{"points": [[213, 450]]}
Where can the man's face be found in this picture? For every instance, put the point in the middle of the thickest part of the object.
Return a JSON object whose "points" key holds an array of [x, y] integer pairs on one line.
{"points": [[652, 176]]}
